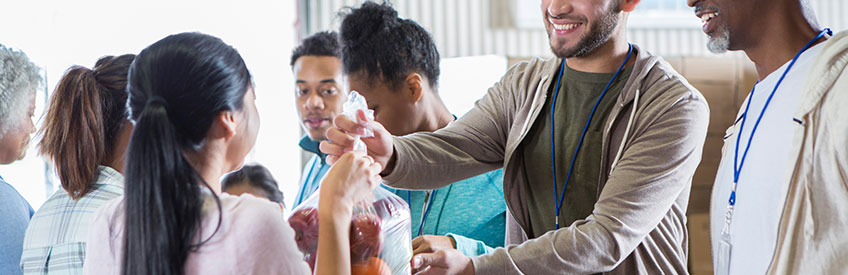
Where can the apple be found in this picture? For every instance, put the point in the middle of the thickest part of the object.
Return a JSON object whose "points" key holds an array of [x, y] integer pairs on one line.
{"points": [[366, 238], [305, 224]]}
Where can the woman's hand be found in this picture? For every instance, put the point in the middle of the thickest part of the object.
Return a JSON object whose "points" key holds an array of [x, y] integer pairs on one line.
{"points": [[351, 179], [341, 136]]}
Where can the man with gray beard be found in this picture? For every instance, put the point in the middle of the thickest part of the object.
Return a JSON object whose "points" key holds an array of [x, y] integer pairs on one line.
{"points": [[780, 198], [598, 147]]}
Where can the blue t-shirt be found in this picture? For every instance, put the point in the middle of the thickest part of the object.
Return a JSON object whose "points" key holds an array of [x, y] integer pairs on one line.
{"points": [[471, 211], [313, 172], [15, 213]]}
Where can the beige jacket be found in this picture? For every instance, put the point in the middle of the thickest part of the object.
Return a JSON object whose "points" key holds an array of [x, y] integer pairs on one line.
{"points": [[813, 233], [638, 225]]}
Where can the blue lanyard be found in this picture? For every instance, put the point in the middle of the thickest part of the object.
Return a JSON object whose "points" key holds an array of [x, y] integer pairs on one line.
{"points": [[426, 206], [558, 203], [737, 164]]}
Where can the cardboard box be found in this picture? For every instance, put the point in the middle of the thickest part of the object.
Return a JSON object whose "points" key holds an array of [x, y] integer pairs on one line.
{"points": [[721, 97], [700, 253], [699, 199], [710, 69]]}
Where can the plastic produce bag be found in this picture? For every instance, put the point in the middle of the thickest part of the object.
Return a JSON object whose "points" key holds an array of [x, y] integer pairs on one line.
{"points": [[380, 227], [379, 234], [356, 102]]}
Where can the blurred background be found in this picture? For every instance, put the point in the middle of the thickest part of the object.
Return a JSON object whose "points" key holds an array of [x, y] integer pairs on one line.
{"points": [[478, 41]]}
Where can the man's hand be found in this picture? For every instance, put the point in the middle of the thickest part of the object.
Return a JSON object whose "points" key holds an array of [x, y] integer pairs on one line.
{"points": [[449, 261], [340, 139], [432, 243]]}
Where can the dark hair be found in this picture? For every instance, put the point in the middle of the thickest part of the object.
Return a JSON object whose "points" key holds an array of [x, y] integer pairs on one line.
{"points": [[256, 176], [177, 86], [376, 41], [324, 43], [86, 113]]}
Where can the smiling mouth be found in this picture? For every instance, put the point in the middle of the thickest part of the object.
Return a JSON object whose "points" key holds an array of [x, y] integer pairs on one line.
{"points": [[563, 27], [706, 17]]}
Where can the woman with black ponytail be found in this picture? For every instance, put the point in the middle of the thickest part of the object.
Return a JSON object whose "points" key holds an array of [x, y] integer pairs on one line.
{"points": [[192, 101]]}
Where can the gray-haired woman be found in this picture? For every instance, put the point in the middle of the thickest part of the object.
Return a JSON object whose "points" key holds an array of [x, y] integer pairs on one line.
{"points": [[19, 78]]}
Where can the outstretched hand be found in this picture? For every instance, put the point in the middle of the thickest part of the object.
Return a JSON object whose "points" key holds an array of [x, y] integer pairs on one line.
{"points": [[341, 137]]}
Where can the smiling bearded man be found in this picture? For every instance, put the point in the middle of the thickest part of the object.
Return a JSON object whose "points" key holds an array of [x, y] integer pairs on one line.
{"points": [[598, 147]]}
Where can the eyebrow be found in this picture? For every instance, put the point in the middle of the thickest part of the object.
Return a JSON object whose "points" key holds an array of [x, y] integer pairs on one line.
{"points": [[322, 81]]}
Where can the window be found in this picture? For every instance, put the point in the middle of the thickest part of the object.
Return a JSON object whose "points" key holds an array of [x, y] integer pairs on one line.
{"points": [[62, 34], [663, 14]]}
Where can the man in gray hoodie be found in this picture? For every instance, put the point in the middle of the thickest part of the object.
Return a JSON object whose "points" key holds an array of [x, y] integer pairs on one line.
{"points": [[598, 147], [780, 199]]}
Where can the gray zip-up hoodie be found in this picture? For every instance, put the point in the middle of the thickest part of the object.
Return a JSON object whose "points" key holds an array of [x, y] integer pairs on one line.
{"points": [[650, 153]]}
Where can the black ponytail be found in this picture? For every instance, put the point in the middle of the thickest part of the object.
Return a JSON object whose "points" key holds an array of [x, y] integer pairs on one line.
{"points": [[176, 88]]}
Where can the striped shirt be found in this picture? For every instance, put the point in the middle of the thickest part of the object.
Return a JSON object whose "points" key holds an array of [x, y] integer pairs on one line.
{"points": [[56, 236]]}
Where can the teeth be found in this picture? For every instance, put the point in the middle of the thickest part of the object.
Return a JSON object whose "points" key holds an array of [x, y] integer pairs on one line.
{"points": [[707, 16], [565, 27]]}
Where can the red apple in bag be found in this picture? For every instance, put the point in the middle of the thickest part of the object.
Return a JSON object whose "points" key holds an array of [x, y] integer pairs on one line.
{"points": [[305, 224], [366, 240]]}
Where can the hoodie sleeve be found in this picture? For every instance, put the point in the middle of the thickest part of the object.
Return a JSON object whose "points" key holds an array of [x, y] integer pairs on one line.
{"points": [[472, 145]]}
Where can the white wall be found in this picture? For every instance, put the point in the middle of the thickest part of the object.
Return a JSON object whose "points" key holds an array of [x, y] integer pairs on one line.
{"points": [[484, 27], [58, 34]]}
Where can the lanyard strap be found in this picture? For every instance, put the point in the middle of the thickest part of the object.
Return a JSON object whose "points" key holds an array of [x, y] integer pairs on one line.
{"points": [[558, 202], [737, 163], [428, 203]]}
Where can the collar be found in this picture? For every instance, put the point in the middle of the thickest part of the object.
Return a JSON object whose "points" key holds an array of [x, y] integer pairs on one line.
{"points": [[108, 175], [311, 146]]}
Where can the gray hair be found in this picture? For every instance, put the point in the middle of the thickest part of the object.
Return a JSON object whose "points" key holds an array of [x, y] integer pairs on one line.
{"points": [[19, 78]]}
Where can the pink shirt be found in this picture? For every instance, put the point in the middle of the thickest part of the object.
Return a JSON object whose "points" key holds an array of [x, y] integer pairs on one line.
{"points": [[254, 238]]}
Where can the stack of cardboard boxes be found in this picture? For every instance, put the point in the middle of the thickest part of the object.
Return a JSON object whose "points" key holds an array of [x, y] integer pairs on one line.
{"points": [[724, 82]]}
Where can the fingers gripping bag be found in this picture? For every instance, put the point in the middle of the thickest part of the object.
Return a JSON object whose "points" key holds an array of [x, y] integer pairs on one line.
{"points": [[380, 226]]}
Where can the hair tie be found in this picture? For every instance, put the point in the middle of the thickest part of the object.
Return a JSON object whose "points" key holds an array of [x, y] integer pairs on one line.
{"points": [[157, 100]]}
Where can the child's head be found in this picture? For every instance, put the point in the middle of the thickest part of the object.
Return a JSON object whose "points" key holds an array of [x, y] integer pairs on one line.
{"points": [[252, 179]]}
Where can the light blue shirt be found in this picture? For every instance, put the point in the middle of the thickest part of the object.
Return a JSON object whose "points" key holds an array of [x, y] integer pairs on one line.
{"points": [[313, 172], [15, 213], [471, 211]]}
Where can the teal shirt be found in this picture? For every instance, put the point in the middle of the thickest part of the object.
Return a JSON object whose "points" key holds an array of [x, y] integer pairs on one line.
{"points": [[313, 171], [471, 211]]}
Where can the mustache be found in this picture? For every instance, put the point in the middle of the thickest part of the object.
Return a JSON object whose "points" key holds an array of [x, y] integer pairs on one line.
{"points": [[700, 6], [566, 16]]}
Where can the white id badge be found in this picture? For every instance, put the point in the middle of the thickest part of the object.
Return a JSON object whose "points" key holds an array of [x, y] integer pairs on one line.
{"points": [[723, 259]]}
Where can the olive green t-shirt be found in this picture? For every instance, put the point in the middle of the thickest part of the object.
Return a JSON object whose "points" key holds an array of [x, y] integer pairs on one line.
{"points": [[577, 95]]}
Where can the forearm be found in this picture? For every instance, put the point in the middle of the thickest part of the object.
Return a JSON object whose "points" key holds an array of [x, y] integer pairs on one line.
{"points": [[427, 161], [333, 238]]}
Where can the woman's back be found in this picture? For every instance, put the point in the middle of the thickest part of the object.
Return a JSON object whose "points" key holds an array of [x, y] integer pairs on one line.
{"points": [[253, 238], [56, 235]]}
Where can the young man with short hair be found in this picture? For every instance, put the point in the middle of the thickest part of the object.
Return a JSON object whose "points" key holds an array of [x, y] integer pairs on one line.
{"points": [[320, 93]]}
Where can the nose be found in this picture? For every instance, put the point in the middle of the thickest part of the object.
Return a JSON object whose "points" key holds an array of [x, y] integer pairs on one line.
{"points": [[558, 7], [314, 102], [692, 3]]}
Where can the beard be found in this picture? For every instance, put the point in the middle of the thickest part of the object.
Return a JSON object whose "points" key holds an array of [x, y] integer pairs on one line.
{"points": [[599, 33], [719, 41]]}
